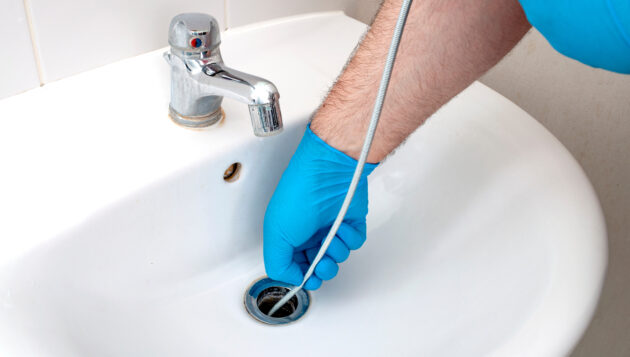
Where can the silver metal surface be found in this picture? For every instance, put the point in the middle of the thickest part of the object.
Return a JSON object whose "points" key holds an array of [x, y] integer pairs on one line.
{"points": [[200, 79], [264, 293], [201, 121]]}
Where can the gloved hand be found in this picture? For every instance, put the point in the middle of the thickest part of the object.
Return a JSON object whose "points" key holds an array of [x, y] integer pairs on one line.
{"points": [[303, 208]]}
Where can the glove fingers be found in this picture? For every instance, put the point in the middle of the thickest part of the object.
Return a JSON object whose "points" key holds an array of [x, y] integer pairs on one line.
{"points": [[300, 257], [313, 283], [351, 236], [326, 269], [279, 261], [338, 250]]}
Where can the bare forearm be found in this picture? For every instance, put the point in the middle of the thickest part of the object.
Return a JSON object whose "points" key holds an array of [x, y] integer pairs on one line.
{"points": [[446, 45]]}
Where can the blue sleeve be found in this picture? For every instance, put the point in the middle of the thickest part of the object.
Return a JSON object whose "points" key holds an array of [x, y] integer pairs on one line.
{"points": [[595, 32]]}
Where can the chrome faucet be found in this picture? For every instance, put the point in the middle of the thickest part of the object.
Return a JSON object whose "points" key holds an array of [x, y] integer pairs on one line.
{"points": [[200, 80]]}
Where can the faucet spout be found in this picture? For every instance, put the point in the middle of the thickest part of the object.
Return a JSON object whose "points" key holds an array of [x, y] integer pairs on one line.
{"points": [[200, 79], [259, 94]]}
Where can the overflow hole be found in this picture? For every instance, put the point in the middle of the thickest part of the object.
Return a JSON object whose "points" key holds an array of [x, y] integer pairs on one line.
{"points": [[232, 173]]}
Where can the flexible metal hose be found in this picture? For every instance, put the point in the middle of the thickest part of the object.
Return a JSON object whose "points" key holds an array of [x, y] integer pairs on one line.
{"points": [[376, 113]]}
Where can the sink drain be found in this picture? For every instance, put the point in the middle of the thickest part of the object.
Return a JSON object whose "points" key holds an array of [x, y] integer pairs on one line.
{"points": [[263, 294]]}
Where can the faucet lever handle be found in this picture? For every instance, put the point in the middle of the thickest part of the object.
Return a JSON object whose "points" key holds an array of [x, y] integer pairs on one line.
{"points": [[194, 33]]}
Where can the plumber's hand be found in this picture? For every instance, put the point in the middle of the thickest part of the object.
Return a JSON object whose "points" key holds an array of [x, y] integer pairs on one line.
{"points": [[304, 206]]}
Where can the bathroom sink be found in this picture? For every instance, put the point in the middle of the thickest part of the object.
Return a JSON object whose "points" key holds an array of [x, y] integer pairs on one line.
{"points": [[122, 234]]}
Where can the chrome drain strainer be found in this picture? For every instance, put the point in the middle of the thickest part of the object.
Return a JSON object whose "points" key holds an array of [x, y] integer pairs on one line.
{"points": [[264, 293]]}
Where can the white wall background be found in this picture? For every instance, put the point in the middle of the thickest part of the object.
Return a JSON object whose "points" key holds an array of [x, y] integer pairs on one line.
{"points": [[587, 109]]}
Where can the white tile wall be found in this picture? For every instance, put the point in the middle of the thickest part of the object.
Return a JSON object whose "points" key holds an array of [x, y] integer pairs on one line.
{"points": [[18, 71], [72, 36], [242, 12], [77, 35]]}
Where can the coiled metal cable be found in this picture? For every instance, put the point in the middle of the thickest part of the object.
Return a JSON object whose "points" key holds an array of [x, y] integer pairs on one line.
{"points": [[376, 114]]}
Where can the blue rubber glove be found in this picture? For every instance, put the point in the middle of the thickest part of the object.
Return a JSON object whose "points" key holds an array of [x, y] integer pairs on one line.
{"points": [[303, 208], [595, 32]]}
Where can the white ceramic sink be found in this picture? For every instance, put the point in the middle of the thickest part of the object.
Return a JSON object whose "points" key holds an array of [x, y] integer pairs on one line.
{"points": [[119, 236]]}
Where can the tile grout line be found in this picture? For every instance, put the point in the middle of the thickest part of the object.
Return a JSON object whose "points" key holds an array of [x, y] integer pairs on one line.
{"points": [[31, 32]]}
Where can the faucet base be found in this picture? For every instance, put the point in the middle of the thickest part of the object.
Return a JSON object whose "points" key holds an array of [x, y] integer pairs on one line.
{"points": [[197, 121]]}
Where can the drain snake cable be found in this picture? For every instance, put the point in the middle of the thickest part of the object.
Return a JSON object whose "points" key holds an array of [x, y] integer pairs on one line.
{"points": [[376, 113]]}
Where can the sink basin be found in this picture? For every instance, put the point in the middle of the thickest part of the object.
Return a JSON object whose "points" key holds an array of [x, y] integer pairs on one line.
{"points": [[121, 237]]}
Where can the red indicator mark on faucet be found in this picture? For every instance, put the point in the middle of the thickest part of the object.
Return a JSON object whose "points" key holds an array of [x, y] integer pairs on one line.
{"points": [[195, 42]]}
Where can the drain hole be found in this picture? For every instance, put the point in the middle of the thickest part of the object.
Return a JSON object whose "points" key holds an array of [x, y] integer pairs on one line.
{"points": [[264, 293], [270, 296], [231, 173]]}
